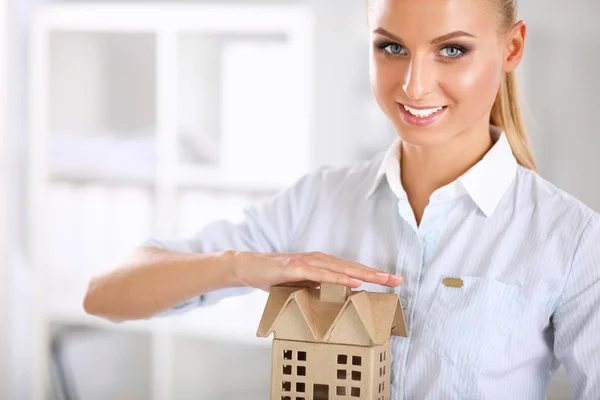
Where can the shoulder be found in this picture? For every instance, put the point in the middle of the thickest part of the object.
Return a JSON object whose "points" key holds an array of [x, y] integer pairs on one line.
{"points": [[547, 201], [353, 178], [328, 180], [323, 186]]}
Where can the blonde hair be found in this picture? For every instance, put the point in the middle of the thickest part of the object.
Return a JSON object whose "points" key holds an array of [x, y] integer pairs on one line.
{"points": [[506, 111]]}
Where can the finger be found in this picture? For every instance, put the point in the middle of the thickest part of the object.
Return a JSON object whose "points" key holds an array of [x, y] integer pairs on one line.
{"points": [[394, 280], [317, 255], [367, 275], [384, 277], [302, 272]]}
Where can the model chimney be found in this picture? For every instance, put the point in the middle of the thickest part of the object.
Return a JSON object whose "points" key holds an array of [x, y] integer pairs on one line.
{"points": [[334, 293]]}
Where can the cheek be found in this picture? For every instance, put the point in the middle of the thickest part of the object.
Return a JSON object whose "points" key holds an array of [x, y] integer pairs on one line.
{"points": [[384, 82], [378, 78], [477, 84]]}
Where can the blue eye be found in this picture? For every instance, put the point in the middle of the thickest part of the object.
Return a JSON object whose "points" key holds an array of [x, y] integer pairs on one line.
{"points": [[452, 51], [394, 49]]}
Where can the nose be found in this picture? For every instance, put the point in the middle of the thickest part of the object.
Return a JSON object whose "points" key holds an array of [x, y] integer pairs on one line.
{"points": [[418, 81]]}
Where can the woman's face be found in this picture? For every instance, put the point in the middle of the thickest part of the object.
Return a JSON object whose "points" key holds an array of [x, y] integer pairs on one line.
{"points": [[436, 65]]}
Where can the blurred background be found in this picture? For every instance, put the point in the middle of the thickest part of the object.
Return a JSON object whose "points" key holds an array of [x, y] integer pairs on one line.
{"points": [[121, 121]]}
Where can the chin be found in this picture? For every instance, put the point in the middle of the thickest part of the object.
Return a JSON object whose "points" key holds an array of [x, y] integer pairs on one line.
{"points": [[423, 136]]}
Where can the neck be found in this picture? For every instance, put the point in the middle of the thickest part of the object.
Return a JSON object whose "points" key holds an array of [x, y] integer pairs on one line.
{"points": [[426, 169]]}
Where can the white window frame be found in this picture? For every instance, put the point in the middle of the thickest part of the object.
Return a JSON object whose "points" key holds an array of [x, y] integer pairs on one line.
{"points": [[5, 196]]}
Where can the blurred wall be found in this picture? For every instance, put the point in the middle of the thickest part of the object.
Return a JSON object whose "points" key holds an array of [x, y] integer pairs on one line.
{"points": [[560, 84], [21, 324], [5, 220]]}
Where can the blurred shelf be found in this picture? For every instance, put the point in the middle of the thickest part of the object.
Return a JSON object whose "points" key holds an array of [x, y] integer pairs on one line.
{"points": [[143, 83], [233, 319], [213, 178], [115, 17], [74, 318], [228, 333], [190, 326], [82, 175], [190, 177]]}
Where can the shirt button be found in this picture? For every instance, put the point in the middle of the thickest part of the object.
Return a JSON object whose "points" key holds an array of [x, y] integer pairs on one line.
{"points": [[403, 302], [428, 238]]}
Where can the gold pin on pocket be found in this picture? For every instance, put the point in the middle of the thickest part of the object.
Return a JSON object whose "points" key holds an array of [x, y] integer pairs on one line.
{"points": [[453, 282]]}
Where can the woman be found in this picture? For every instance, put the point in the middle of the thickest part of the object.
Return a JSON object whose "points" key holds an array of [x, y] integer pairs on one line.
{"points": [[456, 195]]}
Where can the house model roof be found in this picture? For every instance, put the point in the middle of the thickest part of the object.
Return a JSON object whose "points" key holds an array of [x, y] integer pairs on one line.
{"points": [[332, 314]]}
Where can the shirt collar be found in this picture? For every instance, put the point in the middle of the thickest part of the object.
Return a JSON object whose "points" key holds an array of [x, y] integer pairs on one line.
{"points": [[486, 182], [390, 169]]}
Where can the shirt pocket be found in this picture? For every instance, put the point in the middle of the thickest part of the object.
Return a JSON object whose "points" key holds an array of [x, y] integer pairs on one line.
{"points": [[469, 323]]}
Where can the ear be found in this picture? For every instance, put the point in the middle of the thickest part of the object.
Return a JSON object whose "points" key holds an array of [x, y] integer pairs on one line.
{"points": [[514, 46]]}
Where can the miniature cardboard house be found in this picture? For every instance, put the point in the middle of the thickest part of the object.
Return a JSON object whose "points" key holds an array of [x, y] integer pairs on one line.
{"points": [[331, 343]]}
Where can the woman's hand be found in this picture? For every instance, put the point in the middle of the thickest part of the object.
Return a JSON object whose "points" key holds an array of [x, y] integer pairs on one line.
{"points": [[263, 270]]}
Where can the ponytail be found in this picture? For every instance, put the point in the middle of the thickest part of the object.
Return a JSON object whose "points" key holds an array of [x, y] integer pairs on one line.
{"points": [[506, 111], [506, 114]]}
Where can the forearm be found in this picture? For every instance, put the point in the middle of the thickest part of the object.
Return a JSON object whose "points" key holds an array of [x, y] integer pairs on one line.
{"points": [[153, 280]]}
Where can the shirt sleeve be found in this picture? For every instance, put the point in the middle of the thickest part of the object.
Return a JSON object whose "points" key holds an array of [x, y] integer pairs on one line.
{"points": [[267, 227], [577, 316]]}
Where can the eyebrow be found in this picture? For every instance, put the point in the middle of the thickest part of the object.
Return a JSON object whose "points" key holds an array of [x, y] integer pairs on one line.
{"points": [[437, 40]]}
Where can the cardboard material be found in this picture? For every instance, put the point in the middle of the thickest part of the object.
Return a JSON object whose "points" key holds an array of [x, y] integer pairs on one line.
{"points": [[331, 343]]}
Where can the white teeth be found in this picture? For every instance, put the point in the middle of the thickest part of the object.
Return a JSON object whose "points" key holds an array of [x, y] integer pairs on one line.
{"points": [[422, 113]]}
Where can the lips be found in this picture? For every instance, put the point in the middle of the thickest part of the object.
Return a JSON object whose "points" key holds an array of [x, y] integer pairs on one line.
{"points": [[421, 115]]}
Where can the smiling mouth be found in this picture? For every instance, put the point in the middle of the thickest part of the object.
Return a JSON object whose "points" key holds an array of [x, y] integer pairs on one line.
{"points": [[421, 116], [423, 112]]}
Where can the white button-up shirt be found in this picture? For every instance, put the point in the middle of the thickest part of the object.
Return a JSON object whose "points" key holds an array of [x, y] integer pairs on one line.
{"points": [[527, 253]]}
